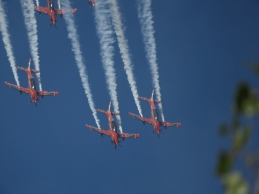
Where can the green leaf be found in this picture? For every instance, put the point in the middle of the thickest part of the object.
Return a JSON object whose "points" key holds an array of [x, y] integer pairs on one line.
{"points": [[224, 163], [241, 137], [246, 100], [242, 94], [235, 183], [251, 104]]}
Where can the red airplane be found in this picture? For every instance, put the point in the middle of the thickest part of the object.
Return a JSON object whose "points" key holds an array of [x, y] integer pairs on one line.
{"points": [[91, 2], [31, 90], [112, 131], [154, 120], [51, 11]]}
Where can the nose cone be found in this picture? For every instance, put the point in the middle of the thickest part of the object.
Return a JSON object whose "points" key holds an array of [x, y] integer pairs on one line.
{"points": [[137, 135], [116, 142], [56, 93], [179, 124]]}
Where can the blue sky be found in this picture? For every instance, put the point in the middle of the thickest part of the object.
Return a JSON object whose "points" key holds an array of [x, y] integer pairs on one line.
{"points": [[201, 49]]}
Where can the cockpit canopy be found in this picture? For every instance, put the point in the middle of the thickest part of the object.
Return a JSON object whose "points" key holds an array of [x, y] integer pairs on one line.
{"points": [[114, 126], [33, 84], [155, 113], [51, 5]]}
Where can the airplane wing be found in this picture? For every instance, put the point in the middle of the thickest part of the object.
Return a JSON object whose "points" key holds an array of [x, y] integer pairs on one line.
{"points": [[46, 93], [140, 118], [21, 89], [168, 124], [61, 11], [41, 9], [98, 130], [127, 135], [21, 68]]}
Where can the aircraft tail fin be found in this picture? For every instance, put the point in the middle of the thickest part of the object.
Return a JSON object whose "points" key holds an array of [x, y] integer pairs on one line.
{"points": [[152, 97], [32, 70], [113, 113], [29, 68]]}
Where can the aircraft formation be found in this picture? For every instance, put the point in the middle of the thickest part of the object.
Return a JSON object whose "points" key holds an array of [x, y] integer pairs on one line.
{"points": [[112, 131]]}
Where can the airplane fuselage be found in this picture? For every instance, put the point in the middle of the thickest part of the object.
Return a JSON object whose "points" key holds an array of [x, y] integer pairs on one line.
{"points": [[31, 86], [52, 15], [91, 2], [154, 116], [112, 128]]}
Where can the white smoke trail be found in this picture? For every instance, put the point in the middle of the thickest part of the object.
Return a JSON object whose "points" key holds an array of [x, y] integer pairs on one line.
{"points": [[7, 42], [59, 6], [124, 50], [72, 35], [37, 2], [31, 26], [146, 22], [105, 33]]}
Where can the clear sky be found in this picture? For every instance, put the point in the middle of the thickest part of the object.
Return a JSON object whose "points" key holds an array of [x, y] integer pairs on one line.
{"points": [[202, 47]]}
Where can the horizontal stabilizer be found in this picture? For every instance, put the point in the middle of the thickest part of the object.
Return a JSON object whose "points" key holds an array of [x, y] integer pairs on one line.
{"points": [[143, 98], [115, 113], [158, 101], [24, 69], [102, 111]]}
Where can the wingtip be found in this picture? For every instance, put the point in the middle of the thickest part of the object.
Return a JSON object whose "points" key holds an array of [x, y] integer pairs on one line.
{"points": [[137, 135], [179, 124]]}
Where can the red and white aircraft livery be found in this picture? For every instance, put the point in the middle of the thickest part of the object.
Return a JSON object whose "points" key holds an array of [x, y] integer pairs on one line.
{"points": [[31, 90], [51, 11], [112, 131], [154, 120], [91, 2]]}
